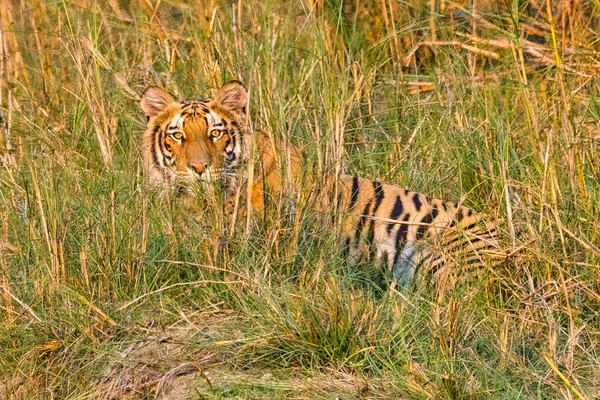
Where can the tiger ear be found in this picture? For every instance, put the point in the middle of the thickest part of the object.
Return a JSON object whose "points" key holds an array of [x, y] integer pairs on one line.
{"points": [[232, 96], [155, 100]]}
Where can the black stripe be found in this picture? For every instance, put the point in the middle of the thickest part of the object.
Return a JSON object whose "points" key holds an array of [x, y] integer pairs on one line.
{"points": [[164, 161], [459, 216], [462, 235], [474, 260], [492, 233], [421, 231], [468, 228], [160, 139], [361, 222], [440, 264], [396, 212], [457, 238], [354, 195], [434, 212], [155, 132], [417, 202], [379, 195], [346, 249], [401, 238], [163, 145]]}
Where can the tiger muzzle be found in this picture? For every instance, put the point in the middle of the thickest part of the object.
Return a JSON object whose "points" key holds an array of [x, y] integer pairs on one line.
{"points": [[198, 166]]}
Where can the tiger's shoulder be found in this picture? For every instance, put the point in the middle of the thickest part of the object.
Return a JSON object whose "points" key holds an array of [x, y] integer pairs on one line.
{"points": [[278, 171]]}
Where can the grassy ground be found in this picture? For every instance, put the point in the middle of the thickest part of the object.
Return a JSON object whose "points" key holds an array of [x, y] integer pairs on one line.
{"points": [[108, 292]]}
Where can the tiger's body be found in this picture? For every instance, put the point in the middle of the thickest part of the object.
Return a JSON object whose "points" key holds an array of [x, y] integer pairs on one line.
{"points": [[409, 230], [204, 141]]}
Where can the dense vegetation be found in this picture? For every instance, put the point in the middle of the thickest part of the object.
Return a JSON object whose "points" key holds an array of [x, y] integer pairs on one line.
{"points": [[109, 291]]}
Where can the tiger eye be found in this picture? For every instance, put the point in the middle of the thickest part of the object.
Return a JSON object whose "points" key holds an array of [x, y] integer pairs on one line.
{"points": [[177, 135]]}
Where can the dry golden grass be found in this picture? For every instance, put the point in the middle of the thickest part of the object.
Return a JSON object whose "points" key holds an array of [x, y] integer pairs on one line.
{"points": [[107, 291]]}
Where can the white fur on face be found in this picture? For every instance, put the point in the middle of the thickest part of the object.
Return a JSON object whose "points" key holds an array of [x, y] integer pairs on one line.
{"points": [[178, 120]]}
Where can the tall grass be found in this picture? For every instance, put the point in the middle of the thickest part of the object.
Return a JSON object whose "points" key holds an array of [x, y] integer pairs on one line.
{"points": [[110, 291]]}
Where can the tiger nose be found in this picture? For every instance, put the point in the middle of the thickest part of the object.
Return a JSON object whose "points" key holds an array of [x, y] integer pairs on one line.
{"points": [[198, 166]]}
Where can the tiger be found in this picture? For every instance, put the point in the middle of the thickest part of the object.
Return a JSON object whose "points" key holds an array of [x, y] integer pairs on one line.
{"points": [[193, 140], [204, 140]]}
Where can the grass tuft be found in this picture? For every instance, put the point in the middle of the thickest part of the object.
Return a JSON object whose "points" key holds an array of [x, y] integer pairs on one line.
{"points": [[110, 291]]}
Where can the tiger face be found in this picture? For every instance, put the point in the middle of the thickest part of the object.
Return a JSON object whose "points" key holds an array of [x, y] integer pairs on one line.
{"points": [[193, 140]]}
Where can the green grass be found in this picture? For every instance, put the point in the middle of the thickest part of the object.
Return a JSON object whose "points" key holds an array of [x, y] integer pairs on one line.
{"points": [[108, 290]]}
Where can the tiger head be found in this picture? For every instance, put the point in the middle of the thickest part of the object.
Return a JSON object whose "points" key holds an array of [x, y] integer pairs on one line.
{"points": [[193, 140]]}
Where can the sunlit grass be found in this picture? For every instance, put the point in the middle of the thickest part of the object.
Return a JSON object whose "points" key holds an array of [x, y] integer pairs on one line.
{"points": [[108, 290]]}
